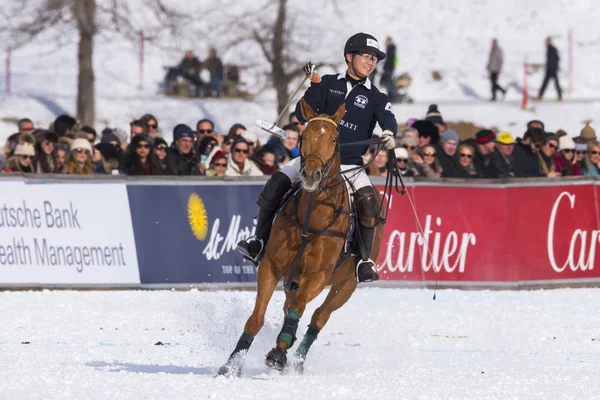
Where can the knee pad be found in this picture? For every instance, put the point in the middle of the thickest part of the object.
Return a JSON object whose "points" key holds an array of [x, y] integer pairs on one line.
{"points": [[275, 188], [366, 205]]}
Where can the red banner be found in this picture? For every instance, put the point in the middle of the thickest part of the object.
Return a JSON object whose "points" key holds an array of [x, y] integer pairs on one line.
{"points": [[495, 234]]}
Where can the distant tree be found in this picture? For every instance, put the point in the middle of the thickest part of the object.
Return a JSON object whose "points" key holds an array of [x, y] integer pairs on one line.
{"points": [[24, 21]]}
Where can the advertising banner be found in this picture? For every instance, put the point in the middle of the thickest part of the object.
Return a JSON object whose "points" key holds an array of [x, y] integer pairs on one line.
{"points": [[188, 234], [75, 233], [493, 234]]}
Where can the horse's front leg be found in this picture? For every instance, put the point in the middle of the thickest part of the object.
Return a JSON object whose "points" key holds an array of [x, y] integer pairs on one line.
{"points": [[308, 290], [266, 284]]}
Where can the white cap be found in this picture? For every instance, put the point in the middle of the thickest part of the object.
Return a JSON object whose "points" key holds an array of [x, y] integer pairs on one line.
{"points": [[566, 143], [81, 143], [401, 152], [250, 136], [24, 149]]}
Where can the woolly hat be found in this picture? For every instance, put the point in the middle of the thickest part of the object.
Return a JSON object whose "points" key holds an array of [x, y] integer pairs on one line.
{"points": [[484, 136], [433, 115], [566, 143], [107, 150], [122, 135], [448, 135], [400, 152], [551, 136], [212, 156], [217, 155], [588, 132], [237, 140], [109, 135], [181, 131], [25, 149], [81, 144], [251, 137], [505, 138]]}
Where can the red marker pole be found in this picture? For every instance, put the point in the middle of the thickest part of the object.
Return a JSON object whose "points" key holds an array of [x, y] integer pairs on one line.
{"points": [[525, 92]]}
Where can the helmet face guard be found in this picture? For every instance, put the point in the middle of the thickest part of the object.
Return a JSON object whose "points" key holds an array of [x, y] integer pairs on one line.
{"points": [[363, 43]]}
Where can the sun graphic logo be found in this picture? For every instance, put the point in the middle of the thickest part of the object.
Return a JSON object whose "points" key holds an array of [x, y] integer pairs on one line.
{"points": [[197, 216]]}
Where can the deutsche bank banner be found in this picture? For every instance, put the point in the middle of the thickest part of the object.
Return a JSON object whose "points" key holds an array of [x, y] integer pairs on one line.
{"points": [[76, 233]]}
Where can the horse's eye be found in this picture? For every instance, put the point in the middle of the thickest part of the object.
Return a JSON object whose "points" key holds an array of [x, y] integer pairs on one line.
{"points": [[335, 139]]}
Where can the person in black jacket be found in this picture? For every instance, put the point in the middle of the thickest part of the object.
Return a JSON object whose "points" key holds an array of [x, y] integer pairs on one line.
{"points": [[365, 107], [524, 158], [387, 77], [552, 60], [181, 156], [499, 163]]}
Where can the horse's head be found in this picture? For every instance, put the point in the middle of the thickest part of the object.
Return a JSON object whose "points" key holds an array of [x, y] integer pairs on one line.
{"points": [[319, 146]]}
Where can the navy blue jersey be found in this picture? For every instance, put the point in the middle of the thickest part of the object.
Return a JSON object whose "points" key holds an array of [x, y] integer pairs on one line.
{"points": [[365, 106]]}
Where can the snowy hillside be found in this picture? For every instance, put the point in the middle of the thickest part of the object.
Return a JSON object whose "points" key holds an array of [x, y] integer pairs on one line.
{"points": [[452, 38]]}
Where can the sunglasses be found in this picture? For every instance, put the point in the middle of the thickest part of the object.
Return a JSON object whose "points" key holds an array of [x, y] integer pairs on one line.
{"points": [[153, 126], [221, 165], [242, 151], [595, 152], [580, 153], [401, 160], [429, 154], [143, 146], [466, 156], [205, 130], [567, 151], [552, 146], [27, 157], [82, 151], [409, 147], [160, 147]]}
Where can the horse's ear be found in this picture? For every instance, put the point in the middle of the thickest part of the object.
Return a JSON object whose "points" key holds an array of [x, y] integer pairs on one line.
{"points": [[307, 110], [339, 114]]}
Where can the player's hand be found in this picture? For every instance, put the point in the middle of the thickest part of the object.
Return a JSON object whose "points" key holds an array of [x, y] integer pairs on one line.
{"points": [[308, 68], [388, 140]]}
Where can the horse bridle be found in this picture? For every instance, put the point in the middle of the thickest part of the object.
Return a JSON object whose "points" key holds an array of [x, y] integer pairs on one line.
{"points": [[325, 167]]}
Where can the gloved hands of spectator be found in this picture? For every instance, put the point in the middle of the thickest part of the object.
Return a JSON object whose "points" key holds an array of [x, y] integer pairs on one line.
{"points": [[387, 139]]}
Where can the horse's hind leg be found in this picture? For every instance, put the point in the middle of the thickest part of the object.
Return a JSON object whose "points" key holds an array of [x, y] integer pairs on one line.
{"points": [[266, 284], [338, 295]]}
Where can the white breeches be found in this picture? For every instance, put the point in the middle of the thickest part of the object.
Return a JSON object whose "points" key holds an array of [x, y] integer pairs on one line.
{"points": [[358, 178]]}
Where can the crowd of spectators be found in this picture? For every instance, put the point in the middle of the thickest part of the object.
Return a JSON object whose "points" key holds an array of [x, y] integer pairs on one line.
{"points": [[425, 148]]}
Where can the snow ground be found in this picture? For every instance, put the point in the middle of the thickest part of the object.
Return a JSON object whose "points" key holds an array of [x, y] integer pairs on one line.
{"points": [[384, 344]]}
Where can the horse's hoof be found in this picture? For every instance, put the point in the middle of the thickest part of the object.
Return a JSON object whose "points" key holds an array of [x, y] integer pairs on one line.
{"points": [[298, 366], [230, 370], [276, 359]]}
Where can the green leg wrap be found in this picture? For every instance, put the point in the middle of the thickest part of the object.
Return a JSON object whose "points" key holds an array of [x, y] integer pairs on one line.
{"points": [[307, 341], [243, 343], [290, 326]]}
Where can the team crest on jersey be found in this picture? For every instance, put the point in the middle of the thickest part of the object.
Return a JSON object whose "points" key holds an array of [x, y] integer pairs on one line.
{"points": [[361, 101]]}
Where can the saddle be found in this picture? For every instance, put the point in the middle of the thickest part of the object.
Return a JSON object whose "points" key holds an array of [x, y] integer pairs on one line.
{"points": [[351, 245]]}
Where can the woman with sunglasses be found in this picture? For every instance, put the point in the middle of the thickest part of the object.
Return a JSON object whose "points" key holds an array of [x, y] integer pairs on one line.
{"points": [[45, 148], [564, 159], [426, 162], [590, 165], [238, 161], [22, 159], [80, 158], [160, 150], [466, 167], [217, 164], [140, 158]]}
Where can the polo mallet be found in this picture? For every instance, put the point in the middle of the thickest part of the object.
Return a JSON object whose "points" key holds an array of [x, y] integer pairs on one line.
{"points": [[274, 129]]}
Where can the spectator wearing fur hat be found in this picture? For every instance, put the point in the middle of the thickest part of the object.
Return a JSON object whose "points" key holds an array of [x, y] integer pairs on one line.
{"points": [[217, 163], [238, 162], [564, 158], [446, 150], [80, 158], [499, 163], [140, 159], [23, 158], [428, 132], [45, 148], [588, 134], [181, 156]]}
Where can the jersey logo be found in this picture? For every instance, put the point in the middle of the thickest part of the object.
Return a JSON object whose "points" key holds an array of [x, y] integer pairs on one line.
{"points": [[361, 101], [336, 92]]}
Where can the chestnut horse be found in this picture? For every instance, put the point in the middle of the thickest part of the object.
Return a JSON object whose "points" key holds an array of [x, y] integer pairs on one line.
{"points": [[306, 242]]}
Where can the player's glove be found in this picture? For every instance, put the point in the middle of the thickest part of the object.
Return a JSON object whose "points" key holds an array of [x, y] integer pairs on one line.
{"points": [[388, 140], [308, 68]]}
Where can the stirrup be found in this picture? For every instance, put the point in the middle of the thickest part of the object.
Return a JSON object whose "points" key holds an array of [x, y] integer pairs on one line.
{"points": [[373, 268], [245, 250]]}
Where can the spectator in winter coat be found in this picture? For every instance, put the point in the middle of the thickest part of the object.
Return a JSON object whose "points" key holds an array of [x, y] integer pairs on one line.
{"points": [[524, 157], [190, 67], [564, 159], [499, 164], [22, 160], [140, 159], [402, 160], [160, 149], [111, 157], [426, 162], [215, 67], [483, 145], [428, 132], [546, 155], [64, 125], [446, 150], [25, 125], [494, 67], [552, 60], [591, 164], [217, 164], [152, 124], [238, 162], [265, 159], [181, 157]]}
